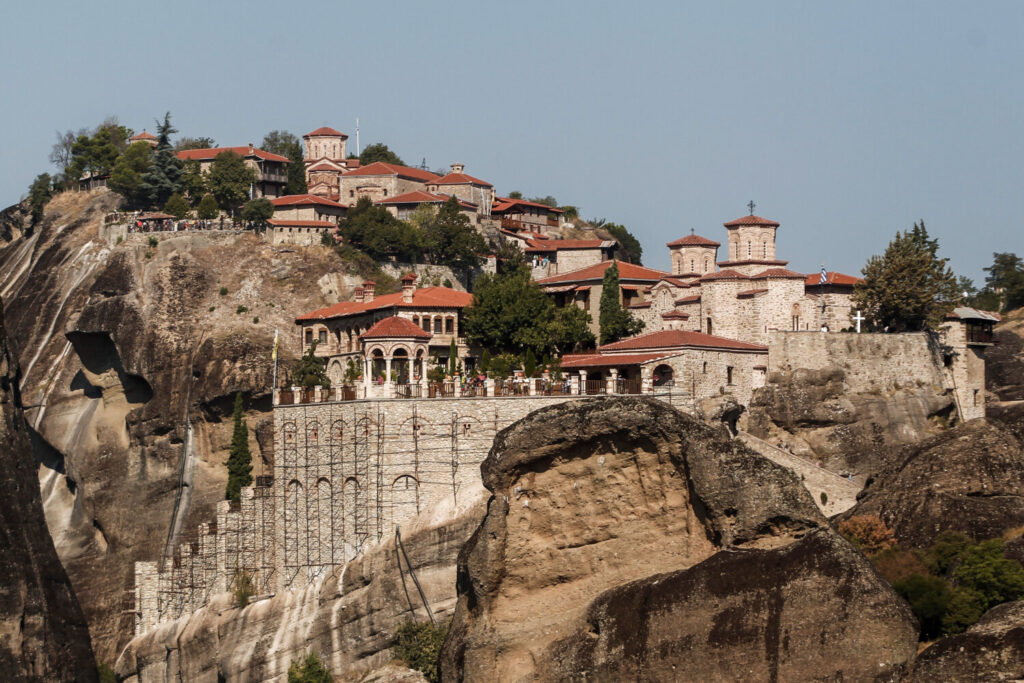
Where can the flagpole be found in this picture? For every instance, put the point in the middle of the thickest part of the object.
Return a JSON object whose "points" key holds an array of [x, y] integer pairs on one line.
{"points": [[274, 354]]}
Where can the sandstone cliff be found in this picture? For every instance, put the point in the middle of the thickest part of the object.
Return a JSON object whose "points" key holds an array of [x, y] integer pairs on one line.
{"points": [[968, 479], [991, 650], [348, 617], [43, 635], [627, 541], [120, 343]]}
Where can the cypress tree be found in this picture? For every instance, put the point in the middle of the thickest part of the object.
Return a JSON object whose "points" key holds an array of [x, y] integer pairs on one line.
{"points": [[164, 175], [239, 458], [614, 322]]}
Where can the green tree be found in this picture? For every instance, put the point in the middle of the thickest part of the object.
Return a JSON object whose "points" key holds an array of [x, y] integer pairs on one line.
{"points": [[453, 357], [126, 176], [163, 178], [984, 569], [570, 329], [39, 193], [308, 670], [614, 322], [929, 598], [378, 234], [509, 257], [176, 206], [630, 249], [378, 151], [419, 646], [1006, 279], [515, 194], [908, 288], [257, 212], [529, 363], [194, 143], [310, 371], [94, 155], [193, 182], [208, 208], [239, 458], [451, 240], [288, 145], [546, 201], [230, 180]]}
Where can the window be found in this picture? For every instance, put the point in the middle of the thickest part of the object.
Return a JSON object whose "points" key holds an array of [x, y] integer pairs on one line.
{"points": [[709, 326], [692, 266], [449, 326], [322, 337], [796, 322], [748, 250], [309, 337], [351, 193], [707, 265], [728, 374], [437, 326], [764, 250], [705, 370], [426, 324]]}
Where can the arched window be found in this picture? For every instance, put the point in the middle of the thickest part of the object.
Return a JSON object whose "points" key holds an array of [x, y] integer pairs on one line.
{"points": [[749, 249]]}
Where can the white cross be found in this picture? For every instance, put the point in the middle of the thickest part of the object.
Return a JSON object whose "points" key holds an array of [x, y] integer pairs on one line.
{"points": [[858, 318]]}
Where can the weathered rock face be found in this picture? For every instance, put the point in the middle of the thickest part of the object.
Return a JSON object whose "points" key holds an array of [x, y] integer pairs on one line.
{"points": [[43, 635], [816, 414], [349, 618], [627, 541], [968, 479], [119, 342], [1004, 362], [991, 650]]}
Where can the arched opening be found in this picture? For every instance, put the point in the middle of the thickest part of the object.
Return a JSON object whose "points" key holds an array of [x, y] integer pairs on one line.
{"points": [[404, 499], [400, 365], [663, 376], [378, 365]]}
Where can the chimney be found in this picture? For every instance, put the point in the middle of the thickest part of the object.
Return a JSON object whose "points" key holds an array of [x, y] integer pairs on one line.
{"points": [[251, 149], [368, 288], [357, 295], [408, 287], [457, 168]]}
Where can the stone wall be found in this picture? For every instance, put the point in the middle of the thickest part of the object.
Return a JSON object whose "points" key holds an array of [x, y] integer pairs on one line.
{"points": [[871, 362], [574, 259]]}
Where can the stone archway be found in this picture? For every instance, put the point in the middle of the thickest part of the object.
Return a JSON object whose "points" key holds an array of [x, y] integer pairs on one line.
{"points": [[663, 376]]}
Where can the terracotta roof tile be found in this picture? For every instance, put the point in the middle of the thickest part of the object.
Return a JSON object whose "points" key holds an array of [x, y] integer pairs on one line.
{"points": [[325, 130], [243, 150], [305, 199], [752, 261], [778, 273], [751, 292], [687, 300], [597, 360], [640, 304], [325, 166], [751, 220], [421, 197], [425, 297], [502, 204], [142, 136], [395, 327], [833, 278], [461, 179], [379, 168], [693, 241], [725, 275], [671, 339], [675, 315], [627, 271], [554, 245]]}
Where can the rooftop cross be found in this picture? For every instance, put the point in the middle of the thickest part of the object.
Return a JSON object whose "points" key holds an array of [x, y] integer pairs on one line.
{"points": [[751, 206]]}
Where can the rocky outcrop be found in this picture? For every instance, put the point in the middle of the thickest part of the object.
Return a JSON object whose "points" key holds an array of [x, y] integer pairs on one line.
{"points": [[1004, 362], [43, 635], [820, 415], [991, 650], [123, 344], [968, 479], [348, 617], [627, 541]]}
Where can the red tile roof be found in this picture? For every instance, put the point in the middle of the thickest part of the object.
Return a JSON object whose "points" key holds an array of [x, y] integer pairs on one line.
{"points": [[380, 168], [725, 275], [751, 220], [677, 280], [324, 166], [304, 200], [693, 241], [502, 204], [142, 136], [395, 327], [640, 304], [426, 297], [421, 197], [778, 273], [288, 223], [751, 292], [833, 278], [672, 339], [687, 300], [243, 150], [627, 271], [752, 261], [554, 245], [324, 130], [461, 179], [675, 315], [597, 360]]}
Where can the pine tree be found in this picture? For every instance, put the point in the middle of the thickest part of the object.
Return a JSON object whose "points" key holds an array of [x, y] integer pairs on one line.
{"points": [[176, 206], [239, 458], [208, 208], [614, 323], [908, 288], [164, 175]]}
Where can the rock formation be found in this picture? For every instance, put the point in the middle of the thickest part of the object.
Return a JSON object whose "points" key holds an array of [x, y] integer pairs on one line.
{"points": [[1004, 362], [819, 414], [627, 541], [43, 635], [968, 479], [119, 341], [991, 650], [349, 618]]}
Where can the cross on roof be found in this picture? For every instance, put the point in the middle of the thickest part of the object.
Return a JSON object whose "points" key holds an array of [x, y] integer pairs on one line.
{"points": [[751, 205]]}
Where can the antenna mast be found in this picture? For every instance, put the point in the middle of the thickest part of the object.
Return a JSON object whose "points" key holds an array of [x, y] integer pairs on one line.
{"points": [[358, 151]]}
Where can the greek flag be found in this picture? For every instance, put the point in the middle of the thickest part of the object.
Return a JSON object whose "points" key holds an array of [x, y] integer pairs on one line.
{"points": [[824, 276]]}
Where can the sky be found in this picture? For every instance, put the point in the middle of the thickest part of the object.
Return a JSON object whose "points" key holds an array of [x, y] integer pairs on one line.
{"points": [[844, 122]]}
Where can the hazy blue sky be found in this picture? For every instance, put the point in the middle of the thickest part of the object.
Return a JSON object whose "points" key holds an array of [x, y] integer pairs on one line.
{"points": [[844, 122]]}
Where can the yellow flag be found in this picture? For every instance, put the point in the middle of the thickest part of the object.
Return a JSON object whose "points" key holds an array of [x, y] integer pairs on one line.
{"points": [[273, 355]]}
